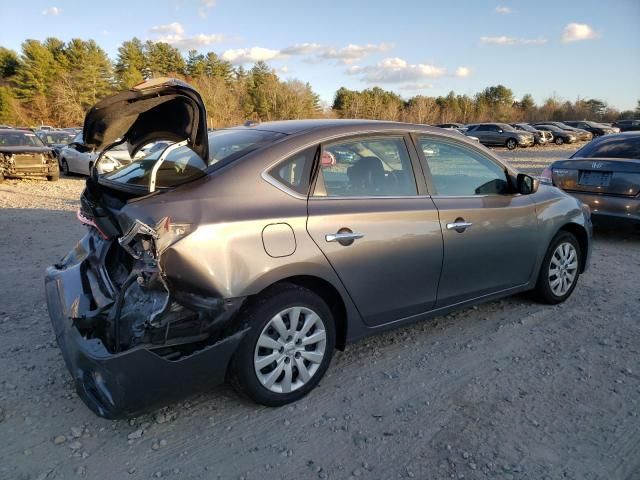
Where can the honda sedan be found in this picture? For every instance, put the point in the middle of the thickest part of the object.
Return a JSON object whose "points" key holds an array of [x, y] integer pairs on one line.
{"points": [[250, 254]]}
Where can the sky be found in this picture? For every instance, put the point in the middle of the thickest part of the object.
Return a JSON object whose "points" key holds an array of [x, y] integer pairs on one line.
{"points": [[569, 49]]}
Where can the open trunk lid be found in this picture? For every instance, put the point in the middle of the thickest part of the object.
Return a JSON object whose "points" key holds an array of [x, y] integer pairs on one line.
{"points": [[158, 109], [611, 176]]}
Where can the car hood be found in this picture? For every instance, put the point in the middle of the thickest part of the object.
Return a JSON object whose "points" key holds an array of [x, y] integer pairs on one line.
{"points": [[158, 109], [12, 150]]}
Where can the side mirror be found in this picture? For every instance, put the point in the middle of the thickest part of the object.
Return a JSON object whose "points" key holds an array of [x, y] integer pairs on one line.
{"points": [[526, 184]]}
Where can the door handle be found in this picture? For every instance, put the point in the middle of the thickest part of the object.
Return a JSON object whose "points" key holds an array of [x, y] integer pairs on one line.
{"points": [[459, 225], [342, 236]]}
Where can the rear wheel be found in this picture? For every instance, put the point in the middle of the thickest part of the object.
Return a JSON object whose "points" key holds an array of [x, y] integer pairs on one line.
{"points": [[559, 141], [560, 269], [512, 143], [288, 347]]}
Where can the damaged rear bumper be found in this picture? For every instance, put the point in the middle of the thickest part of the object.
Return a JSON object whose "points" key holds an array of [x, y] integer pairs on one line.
{"points": [[121, 384]]}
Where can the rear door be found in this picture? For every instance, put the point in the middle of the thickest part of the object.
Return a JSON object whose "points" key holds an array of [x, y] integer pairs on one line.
{"points": [[490, 234], [377, 226]]}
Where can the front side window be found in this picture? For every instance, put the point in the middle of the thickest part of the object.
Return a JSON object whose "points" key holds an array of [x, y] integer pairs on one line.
{"points": [[459, 171], [371, 166]]}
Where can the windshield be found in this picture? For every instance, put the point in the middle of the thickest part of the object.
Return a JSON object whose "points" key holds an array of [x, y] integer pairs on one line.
{"points": [[183, 165], [507, 128], [616, 147], [53, 138], [526, 127], [19, 139]]}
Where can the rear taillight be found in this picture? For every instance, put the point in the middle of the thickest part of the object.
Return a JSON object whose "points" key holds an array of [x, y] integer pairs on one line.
{"points": [[547, 176], [87, 221]]}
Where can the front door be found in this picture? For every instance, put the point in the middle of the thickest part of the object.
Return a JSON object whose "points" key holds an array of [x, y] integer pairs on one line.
{"points": [[490, 234], [377, 227]]}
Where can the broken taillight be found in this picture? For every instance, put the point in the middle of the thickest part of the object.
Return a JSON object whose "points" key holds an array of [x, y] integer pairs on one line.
{"points": [[87, 221]]}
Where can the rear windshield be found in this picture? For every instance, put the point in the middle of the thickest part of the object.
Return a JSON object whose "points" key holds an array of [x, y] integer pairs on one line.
{"points": [[20, 139], [183, 165], [607, 147]]}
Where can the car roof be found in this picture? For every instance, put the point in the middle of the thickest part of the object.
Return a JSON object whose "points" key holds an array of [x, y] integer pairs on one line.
{"points": [[291, 127], [14, 130]]}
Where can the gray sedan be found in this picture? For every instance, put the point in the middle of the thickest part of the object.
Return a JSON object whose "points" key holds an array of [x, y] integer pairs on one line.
{"points": [[604, 174], [251, 253]]}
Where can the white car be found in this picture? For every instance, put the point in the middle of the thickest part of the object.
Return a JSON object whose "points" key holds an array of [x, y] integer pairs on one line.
{"points": [[74, 158]]}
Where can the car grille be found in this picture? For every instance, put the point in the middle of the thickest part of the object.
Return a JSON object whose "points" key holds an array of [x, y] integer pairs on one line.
{"points": [[27, 161]]}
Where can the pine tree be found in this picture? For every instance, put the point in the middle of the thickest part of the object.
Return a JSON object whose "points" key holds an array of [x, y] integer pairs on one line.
{"points": [[130, 63]]}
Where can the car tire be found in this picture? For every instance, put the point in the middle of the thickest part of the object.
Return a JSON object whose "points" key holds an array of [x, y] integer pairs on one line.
{"points": [[54, 177], [270, 373], [562, 264], [511, 144], [90, 167], [64, 167], [559, 141]]}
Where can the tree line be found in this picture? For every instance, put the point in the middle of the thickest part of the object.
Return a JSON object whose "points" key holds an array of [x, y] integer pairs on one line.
{"points": [[53, 82]]}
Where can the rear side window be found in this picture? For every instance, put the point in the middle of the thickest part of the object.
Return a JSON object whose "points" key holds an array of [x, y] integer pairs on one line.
{"points": [[295, 171], [371, 167], [617, 147]]}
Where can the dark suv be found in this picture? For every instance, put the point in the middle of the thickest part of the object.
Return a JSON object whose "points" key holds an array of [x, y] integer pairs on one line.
{"points": [[500, 135], [596, 129]]}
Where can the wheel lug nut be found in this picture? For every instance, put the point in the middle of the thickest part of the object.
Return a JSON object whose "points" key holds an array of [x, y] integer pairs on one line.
{"points": [[298, 355], [287, 360]]}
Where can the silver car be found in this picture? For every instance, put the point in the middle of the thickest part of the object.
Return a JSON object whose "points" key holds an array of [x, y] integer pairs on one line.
{"points": [[249, 254]]}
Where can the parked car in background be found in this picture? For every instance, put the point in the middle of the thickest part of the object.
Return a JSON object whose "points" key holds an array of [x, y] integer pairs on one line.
{"points": [[604, 174], [500, 134], [560, 136], [540, 137], [581, 135], [253, 260], [23, 155], [458, 126], [627, 125], [77, 158], [55, 139], [596, 129]]}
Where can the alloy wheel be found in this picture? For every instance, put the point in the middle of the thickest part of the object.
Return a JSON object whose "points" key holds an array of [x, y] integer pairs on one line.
{"points": [[563, 269], [290, 349]]}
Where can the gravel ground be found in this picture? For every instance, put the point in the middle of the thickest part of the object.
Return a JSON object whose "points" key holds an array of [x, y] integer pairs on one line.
{"points": [[510, 389]]}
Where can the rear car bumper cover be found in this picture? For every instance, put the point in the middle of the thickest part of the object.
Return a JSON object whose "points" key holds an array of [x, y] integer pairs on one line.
{"points": [[115, 385], [610, 207]]}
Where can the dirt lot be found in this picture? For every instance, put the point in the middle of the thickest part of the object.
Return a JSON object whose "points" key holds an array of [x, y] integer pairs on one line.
{"points": [[511, 389]]}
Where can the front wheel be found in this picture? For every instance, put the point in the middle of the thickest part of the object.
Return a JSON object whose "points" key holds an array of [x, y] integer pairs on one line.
{"points": [[288, 347], [559, 141], [512, 143], [560, 269]]}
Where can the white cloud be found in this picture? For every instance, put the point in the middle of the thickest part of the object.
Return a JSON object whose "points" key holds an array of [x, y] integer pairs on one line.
{"points": [[353, 53], [396, 70], [504, 40], [53, 11], [249, 55], [463, 72], [205, 6], [174, 34], [302, 49], [174, 28], [283, 69], [575, 32], [504, 10]]}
